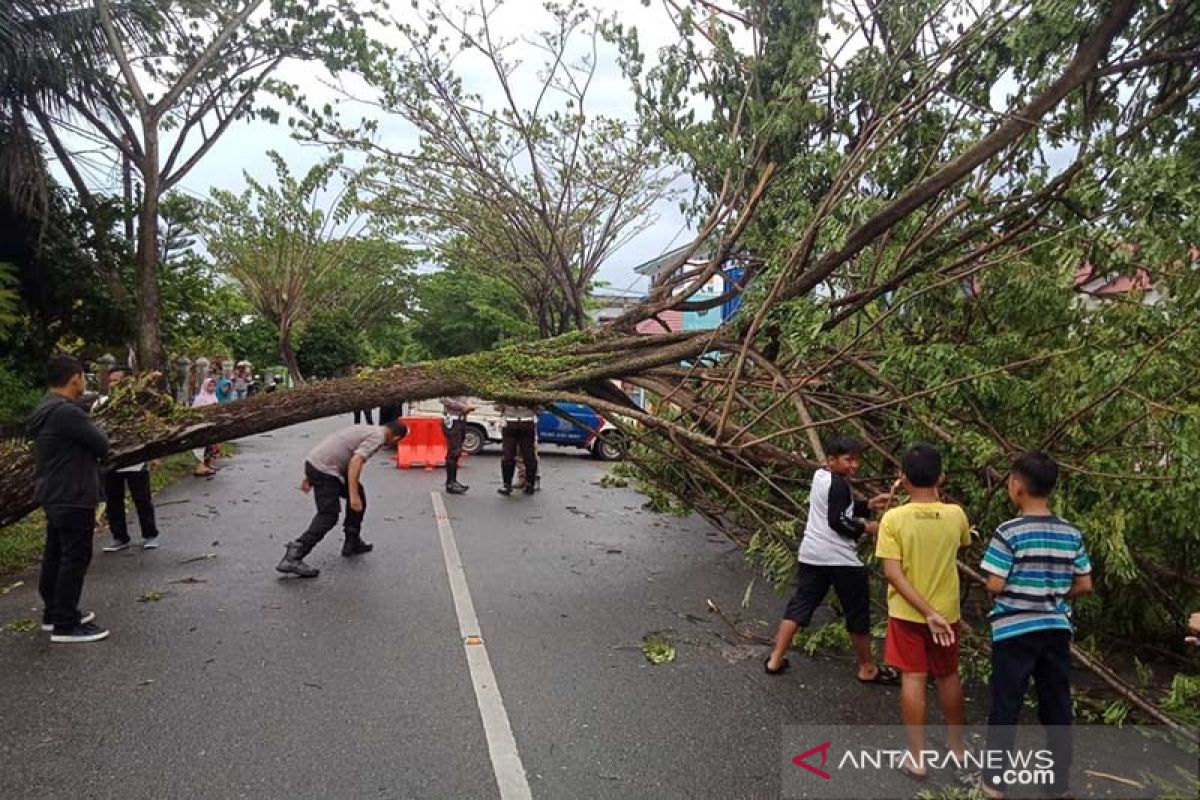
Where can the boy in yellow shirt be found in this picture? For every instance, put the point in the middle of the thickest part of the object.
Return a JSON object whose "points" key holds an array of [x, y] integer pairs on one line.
{"points": [[918, 546]]}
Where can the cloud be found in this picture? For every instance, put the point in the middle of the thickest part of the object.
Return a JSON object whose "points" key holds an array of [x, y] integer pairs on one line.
{"points": [[242, 149]]}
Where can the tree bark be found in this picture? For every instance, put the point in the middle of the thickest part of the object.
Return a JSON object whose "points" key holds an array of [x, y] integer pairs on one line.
{"points": [[151, 355], [159, 428], [288, 354]]}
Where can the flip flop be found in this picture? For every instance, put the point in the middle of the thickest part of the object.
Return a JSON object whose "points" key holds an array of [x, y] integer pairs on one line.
{"points": [[783, 666], [908, 772], [884, 676]]}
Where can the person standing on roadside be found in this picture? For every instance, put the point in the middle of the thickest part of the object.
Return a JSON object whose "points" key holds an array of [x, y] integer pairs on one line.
{"points": [[454, 425], [363, 414], [332, 471], [67, 448], [518, 434], [205, 456], [241, 380], [137, 478]]}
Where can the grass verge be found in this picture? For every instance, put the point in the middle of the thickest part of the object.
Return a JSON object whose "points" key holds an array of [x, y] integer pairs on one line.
{"points": [[21, 543]]}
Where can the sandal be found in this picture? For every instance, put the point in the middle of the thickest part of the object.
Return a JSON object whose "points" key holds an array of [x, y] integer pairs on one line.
{"points": [[783, 666], [912, 774], [884, 676]]}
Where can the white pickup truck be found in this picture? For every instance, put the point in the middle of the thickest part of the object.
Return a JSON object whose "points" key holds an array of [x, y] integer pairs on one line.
{"points": [[485, 423]]}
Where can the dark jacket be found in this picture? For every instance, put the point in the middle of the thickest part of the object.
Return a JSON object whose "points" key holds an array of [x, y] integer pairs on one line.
{"points": [[68, 447]]}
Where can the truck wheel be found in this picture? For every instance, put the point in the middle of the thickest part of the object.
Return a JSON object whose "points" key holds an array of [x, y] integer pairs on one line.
{"points": [[474, 440], [609, 446]]}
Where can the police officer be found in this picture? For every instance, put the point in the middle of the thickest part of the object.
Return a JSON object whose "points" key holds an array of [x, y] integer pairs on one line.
{"points": [[454, 425], [519, 433]]}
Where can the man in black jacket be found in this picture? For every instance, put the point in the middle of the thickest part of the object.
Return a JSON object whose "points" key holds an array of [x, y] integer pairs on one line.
{"points": [[67, 447]]}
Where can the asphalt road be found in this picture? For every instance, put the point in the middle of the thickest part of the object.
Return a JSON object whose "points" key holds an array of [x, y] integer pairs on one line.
{"points": [[241, 683]]}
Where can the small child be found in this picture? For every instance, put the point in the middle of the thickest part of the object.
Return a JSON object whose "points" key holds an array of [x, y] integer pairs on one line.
{"points": [[828, 557], [1034, 564], [918, 545]]}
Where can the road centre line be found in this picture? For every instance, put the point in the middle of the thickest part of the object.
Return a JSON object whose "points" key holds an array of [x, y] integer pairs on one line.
{"points": [[502, 746]]}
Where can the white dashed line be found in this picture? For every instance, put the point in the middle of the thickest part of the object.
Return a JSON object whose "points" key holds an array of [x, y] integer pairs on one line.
{"points": [[506, 761]]}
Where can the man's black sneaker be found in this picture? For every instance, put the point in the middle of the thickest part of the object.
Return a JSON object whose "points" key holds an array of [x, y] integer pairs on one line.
{"points": [[505, 490], [150, 544], [455, 488], [83, 632], [116, 546], [88, 616]]}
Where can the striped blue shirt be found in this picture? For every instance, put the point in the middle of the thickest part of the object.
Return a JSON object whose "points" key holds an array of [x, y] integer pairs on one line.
{"points": [[1038, 557]]}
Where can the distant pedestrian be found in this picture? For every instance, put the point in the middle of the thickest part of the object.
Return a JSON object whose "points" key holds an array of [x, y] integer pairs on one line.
{"points": [[241, 380], [206, 455], [333, 471], [224, 389], [519, 434], [67, 448], [361, 414], [137, 478], [454, 425]]}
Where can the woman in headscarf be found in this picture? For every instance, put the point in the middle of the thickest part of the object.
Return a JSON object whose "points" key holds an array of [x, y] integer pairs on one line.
{"points": [[207, 396]]}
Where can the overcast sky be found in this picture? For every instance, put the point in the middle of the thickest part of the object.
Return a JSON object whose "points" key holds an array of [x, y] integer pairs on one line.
{"points": [[243, 146]]}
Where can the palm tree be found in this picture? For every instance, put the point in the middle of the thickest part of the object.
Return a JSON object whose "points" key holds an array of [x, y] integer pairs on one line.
{"points": [[50, 50]]}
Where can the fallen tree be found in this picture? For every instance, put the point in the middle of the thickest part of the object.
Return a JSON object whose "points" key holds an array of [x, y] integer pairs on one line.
{"points": [[911, 268]]}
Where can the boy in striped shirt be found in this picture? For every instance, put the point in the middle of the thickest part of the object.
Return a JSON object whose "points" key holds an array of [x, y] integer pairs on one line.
{"points": [[1034, 565]]}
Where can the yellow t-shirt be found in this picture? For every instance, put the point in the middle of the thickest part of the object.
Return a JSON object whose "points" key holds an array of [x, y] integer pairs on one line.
{"points": [[924, 538]]}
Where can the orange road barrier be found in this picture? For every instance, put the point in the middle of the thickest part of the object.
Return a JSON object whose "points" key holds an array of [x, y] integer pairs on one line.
{"points": [[424, 446]]}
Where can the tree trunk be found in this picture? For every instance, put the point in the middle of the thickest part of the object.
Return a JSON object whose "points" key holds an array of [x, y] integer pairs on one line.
{"points": [[164, 428], [288, 354], [149, 316]]}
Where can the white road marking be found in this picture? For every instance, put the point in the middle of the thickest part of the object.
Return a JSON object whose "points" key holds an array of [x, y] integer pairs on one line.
{"points": [[506, 761]]}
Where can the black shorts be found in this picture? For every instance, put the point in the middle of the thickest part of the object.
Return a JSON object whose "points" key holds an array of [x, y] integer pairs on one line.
{"points": [[853, 592]]}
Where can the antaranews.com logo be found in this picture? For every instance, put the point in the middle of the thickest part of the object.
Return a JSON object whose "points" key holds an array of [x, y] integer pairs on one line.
{"points": [[874, 762]]}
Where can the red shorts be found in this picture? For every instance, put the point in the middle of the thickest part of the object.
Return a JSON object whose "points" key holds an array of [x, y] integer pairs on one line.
{"points": [[910, 647]]}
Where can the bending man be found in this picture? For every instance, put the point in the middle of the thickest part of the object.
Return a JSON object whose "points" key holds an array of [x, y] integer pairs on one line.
{"points": [[332, 471]]}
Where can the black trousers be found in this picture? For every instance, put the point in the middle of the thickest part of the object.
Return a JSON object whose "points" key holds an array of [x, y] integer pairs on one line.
{"points": [[360, 414], [851, 585], [1044, 656], [454, 445], [114, 506], [518, 436], [328, 493], [65, 560]]}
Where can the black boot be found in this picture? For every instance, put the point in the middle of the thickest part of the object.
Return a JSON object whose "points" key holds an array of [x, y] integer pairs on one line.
{"points": [[506, 475], [456, 488], [293, 562], [531, 481], [355, 546]]}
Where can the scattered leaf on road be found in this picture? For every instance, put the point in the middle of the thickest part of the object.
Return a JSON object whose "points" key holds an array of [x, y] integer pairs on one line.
{"points": [[657, 650], [150, 597], [24, 625], [188, 579], [8, 589]]}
